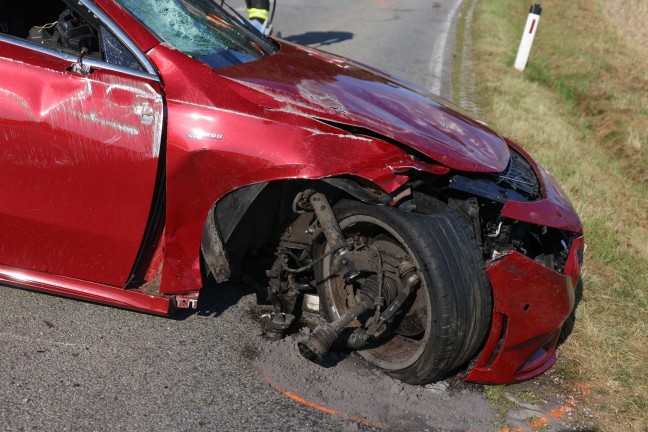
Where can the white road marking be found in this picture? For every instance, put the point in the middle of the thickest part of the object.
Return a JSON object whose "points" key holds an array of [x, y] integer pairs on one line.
{"points": [[438, 52]]}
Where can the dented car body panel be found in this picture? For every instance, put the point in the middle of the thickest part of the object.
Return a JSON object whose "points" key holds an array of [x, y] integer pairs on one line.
{"points": [[68, 145], [110, 178], [342, 91]]}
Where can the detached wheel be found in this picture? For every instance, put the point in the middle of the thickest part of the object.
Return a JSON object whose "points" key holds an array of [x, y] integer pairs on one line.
{"points": [[445, 320]]}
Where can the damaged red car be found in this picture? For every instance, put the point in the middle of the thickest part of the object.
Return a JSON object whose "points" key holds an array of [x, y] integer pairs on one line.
{"points": [[150, 144]]}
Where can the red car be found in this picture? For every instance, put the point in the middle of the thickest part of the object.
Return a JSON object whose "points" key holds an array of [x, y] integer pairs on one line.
{"points": [[150, 144]]}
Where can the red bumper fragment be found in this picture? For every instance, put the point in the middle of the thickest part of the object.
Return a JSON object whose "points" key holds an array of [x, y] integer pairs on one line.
{"points": [[531, 303]]}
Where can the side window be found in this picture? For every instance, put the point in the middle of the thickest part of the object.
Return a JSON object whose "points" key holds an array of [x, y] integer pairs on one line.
{"points": [[57, 25], [114, 51]]}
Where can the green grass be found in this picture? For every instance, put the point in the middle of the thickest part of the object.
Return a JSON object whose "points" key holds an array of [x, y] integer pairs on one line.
{"points": [[529, 397], [500, 403]]}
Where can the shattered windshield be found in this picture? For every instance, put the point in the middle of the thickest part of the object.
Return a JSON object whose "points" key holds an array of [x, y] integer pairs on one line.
{"points": [[200, 29]]}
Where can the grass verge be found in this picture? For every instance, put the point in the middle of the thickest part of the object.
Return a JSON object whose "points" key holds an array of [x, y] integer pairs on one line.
{"points": [[501, 405], [581, 109]]}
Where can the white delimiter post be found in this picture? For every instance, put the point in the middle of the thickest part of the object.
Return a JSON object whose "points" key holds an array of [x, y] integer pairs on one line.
{"points": [[527, 37]]}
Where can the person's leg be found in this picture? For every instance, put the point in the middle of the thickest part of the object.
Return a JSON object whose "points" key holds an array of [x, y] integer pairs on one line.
{"points": [[258, 10]]}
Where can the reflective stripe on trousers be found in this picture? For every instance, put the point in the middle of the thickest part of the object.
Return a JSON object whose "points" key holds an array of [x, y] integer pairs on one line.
{"points": [[260, 14]]}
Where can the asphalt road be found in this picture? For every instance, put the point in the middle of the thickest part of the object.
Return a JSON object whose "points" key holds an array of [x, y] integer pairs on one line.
{"points": [[69, 365], [413, 39]]}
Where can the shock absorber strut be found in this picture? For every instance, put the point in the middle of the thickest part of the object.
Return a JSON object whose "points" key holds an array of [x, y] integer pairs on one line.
{"points": [[327, 221]]}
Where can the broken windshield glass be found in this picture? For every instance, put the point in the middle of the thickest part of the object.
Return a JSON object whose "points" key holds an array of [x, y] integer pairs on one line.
{"points": [[200, 29]]}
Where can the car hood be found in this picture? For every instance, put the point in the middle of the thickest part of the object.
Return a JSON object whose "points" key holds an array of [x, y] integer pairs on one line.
{"points": [[353, 96]]}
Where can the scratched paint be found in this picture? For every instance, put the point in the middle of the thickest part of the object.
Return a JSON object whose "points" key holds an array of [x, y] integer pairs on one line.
{"points": [[70, 145]]}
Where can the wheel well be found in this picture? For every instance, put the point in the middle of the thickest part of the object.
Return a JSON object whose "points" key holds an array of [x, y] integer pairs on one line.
{"points": [[255, 216]]}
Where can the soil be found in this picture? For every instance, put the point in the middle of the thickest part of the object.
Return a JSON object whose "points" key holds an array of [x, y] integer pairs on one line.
{"points": [[347, 386]]}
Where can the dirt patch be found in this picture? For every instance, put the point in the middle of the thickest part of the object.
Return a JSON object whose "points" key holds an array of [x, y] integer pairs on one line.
{"points": [[348, 387], [548, 403]]}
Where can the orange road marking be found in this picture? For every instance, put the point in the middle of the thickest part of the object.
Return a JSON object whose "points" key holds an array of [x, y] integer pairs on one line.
{"points": [[558, 412], [324, 409], [308, 403], [541, 422]]}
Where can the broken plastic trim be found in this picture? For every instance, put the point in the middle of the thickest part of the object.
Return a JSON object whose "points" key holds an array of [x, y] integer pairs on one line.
{"points": [[357, 191], [520, 176], [518, 182]]}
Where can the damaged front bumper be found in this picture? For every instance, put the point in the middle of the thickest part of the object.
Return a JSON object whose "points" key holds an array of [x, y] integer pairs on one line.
{"points": [[531, 303], [530, 300]]}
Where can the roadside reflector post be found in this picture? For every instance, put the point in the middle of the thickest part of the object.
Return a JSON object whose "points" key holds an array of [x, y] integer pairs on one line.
{"points": [[527, 37]]}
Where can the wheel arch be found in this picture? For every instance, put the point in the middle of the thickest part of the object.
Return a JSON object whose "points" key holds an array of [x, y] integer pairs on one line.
{"points": [[224, 238]]}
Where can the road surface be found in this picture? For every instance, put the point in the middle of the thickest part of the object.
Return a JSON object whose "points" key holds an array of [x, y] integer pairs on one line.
{"points": [[413, 39]]}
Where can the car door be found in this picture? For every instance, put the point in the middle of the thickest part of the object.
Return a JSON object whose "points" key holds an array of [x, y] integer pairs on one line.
{"points": [[79, 153]]}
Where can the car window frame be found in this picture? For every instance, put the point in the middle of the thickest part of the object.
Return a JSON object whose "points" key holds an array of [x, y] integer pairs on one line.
{"points": [[149, 72]]}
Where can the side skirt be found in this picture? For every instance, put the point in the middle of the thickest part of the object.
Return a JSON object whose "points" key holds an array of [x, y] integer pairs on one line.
{"points": [[84, 290]]}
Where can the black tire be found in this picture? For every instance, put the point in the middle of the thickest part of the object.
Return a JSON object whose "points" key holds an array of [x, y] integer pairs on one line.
{"points": [[452, 304], [568, 325]]}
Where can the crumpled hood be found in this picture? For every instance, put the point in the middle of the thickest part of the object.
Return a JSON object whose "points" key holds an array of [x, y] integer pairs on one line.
{"points": [[324, 86]]}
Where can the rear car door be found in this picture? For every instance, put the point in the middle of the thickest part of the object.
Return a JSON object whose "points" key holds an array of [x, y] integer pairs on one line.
{"points": [[79, 148]]}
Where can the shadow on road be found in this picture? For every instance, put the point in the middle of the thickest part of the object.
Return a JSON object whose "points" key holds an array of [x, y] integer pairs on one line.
{"points": [[316, 39], [214, 300]]}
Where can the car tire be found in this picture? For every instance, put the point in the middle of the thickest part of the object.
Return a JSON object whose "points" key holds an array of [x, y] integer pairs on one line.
{"points": [[568, 325], [452, 304]]}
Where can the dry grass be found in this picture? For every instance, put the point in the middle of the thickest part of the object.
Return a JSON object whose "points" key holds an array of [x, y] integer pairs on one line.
{"points": [[629, 18], [581, 108]]}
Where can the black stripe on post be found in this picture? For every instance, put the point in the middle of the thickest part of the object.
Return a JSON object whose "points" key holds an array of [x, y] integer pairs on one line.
{"points": [[536, 9]]}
